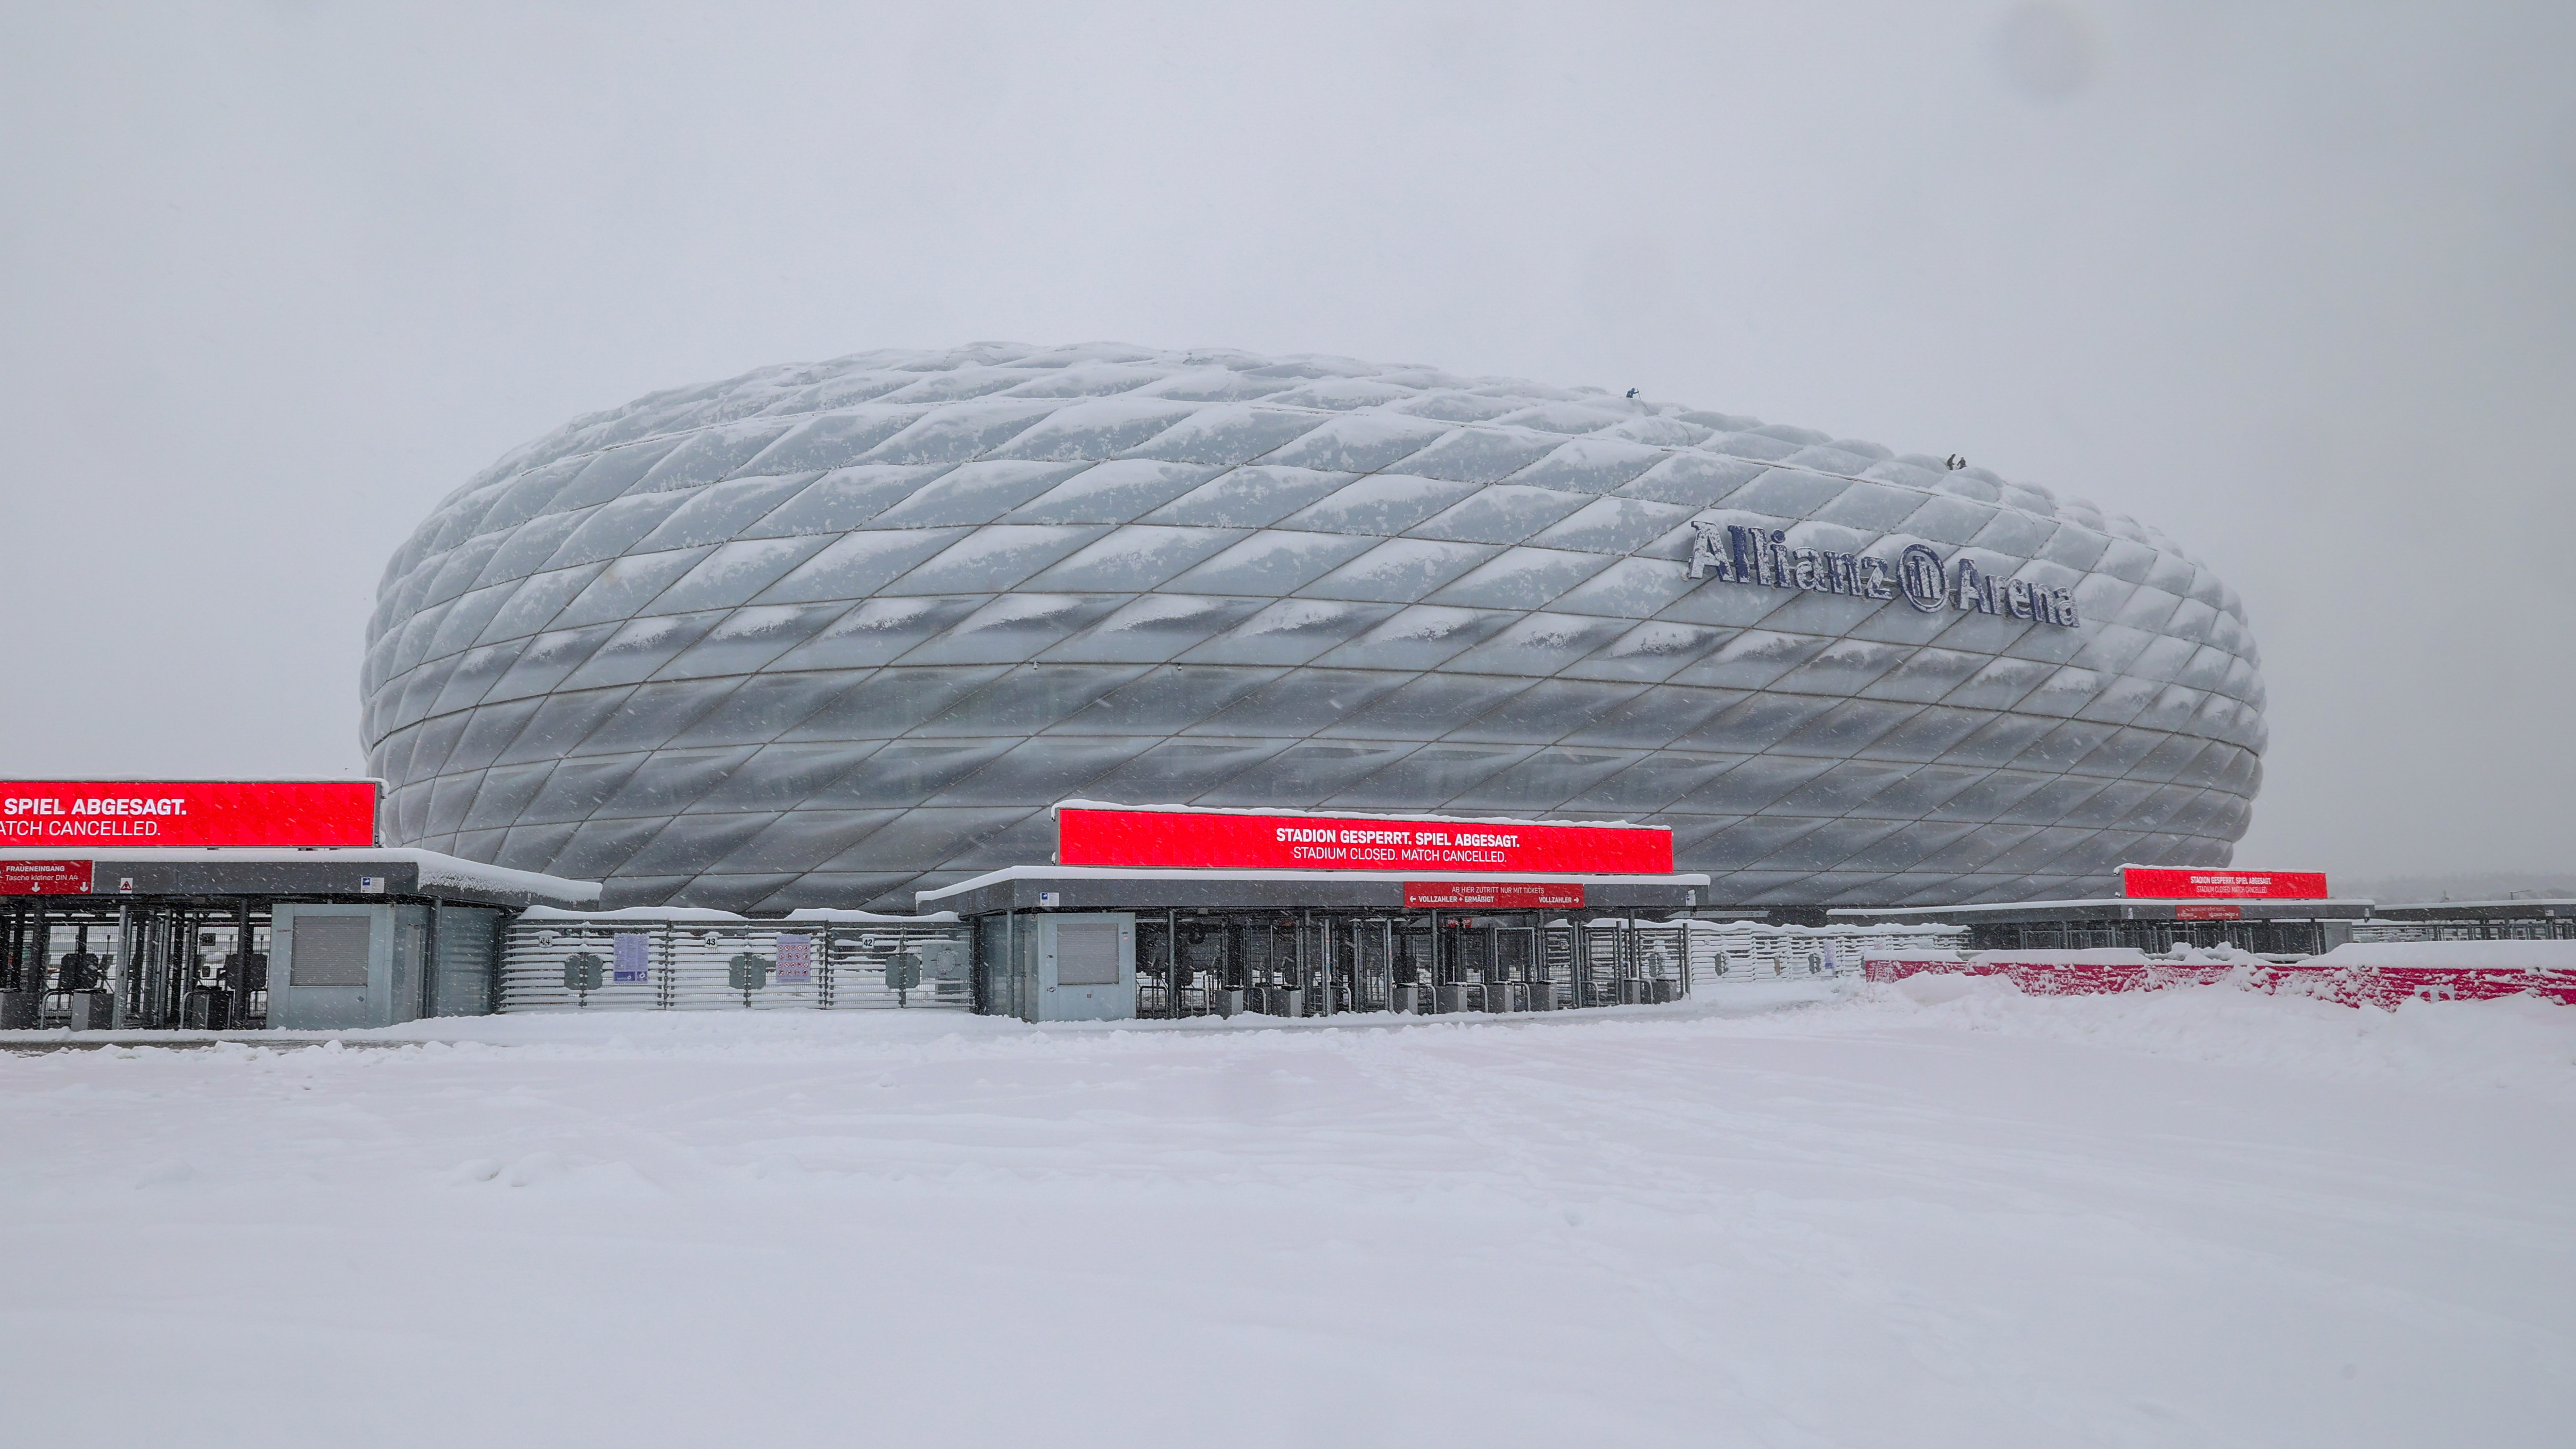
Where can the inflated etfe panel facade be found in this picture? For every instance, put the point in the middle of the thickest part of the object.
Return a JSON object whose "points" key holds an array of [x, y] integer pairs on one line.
{"points": [[827, 634]]}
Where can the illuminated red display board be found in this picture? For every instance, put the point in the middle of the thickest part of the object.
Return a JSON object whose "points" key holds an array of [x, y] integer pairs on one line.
{"points": [[44, 877], [187, 812], [1194, 839], [2163, 884]]}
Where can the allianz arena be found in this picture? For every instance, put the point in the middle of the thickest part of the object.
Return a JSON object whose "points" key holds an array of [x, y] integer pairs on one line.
{"points": [[827, 634]]}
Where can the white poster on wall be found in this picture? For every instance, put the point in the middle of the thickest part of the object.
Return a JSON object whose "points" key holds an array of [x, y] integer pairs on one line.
{"points": [[631, 958], [795, 959]]}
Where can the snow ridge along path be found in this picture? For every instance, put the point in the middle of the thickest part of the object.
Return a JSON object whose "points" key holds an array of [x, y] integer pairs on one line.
{"points": [[1939, 1213]]}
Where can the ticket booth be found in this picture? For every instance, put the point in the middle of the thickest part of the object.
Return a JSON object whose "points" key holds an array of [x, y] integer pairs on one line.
{"points": [[1085, 966], [339, 966], [1054, 943]]}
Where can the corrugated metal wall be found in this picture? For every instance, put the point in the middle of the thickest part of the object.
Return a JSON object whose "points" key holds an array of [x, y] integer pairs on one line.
{"points": [[633, 961]]}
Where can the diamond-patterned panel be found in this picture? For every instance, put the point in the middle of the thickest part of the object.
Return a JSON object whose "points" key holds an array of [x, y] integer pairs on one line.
{"points": [[826, 634]]}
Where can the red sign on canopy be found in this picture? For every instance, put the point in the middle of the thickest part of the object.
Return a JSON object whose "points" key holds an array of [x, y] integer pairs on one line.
{"points": [[1497, 895], [2162, 884], [188, 812], [1195, 839], [44, 877]]}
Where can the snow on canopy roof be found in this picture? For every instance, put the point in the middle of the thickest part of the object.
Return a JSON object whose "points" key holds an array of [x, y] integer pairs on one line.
{"points": [[449, 870], [634, 913], [436, 869], [809, 915], [1291, 874]]}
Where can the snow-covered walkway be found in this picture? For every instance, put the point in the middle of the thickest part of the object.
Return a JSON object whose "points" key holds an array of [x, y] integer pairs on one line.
{"points": [[1941, 1214]]}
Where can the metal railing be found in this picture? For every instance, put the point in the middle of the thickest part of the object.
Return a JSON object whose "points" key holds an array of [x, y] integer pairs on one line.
{"points": [[2522, 928], [1737, 951]]}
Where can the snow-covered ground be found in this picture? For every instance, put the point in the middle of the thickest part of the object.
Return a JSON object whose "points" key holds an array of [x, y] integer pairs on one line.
{"points": [[1935, 1214]]}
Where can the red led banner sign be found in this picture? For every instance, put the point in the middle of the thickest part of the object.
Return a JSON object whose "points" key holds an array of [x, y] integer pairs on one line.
{"points": [[1192, 839], [1499, 895], [280, 813], [2159, 883], [44, 877]]}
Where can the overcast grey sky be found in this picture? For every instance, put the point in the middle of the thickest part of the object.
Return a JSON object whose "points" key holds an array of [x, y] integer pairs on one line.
{"points": [[2291, 282]]}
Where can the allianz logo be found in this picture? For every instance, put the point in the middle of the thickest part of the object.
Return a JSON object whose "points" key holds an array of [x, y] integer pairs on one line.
{"points": [[1751, 554]]}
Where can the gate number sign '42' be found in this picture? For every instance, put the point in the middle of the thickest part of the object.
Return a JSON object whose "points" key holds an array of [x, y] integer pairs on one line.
{"points": [[1744, 554]]}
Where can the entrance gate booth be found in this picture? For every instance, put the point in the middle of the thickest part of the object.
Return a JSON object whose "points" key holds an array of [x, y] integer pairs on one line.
{"points": [[226, 939], [1217, 943], [1170, 911], [2159, 909], [2539, 918]]}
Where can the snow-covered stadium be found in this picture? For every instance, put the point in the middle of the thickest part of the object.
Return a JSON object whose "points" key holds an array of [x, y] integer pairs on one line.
{"points": [[823, 635]]}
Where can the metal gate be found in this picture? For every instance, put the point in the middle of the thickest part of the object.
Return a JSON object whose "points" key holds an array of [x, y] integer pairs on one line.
{"points": [[1324, 963]]}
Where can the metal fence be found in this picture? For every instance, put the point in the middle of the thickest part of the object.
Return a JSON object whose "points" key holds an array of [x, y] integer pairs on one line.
{"points": [[643, 960], [1723, 951], [2520, 928], [680, 960], [1322, 964]]}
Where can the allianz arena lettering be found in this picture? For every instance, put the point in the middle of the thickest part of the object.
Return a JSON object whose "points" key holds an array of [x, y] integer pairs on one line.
{"points": [[1756, 555], [828, 634]]}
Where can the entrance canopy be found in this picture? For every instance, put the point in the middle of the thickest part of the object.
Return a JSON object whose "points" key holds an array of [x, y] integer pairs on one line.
{"points": [[2287, 924], [2507, 910]]}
